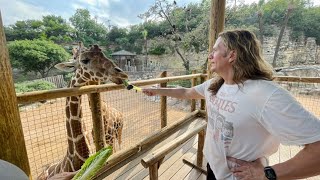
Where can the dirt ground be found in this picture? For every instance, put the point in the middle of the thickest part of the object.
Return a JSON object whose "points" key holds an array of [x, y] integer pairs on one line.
{"points": [[45, 133]]}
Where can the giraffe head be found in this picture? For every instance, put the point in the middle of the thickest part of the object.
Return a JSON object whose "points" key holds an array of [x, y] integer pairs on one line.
{"points": [[92, 66]]}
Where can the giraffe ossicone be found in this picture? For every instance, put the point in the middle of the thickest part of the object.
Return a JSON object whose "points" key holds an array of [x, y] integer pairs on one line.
{"points": [[90, 67]]}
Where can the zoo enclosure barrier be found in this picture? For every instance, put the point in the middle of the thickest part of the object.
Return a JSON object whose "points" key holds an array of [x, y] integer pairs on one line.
{"points": [[44, 123], [306, 90]]}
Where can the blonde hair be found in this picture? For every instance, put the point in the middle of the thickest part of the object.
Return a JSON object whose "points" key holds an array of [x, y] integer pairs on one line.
{"points": [[249, 63]]}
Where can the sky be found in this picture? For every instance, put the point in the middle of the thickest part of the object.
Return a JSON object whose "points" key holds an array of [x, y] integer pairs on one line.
{"points": [[121, 13]]}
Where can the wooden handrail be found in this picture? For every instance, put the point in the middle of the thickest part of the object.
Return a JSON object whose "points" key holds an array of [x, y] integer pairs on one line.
{"points": [[29, 97], [155, 156], [298, 79], [124, 156]]}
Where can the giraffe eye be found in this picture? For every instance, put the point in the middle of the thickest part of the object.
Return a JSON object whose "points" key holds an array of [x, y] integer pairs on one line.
{"points": [[85, 61]]}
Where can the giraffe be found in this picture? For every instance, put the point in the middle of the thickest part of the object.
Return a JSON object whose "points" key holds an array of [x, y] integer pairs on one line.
{"points": [[91, 67]]}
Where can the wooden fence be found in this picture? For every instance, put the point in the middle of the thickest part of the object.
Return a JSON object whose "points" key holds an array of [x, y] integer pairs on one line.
{"points": [[57, 80], [94, 91]]}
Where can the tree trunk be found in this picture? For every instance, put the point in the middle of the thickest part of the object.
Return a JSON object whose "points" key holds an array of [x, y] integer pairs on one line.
{"points": [[260, 26], [289, 10], [185, 61]]}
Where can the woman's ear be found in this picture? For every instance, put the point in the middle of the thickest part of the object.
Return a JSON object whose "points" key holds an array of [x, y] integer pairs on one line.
{"points": [[232, 56]]}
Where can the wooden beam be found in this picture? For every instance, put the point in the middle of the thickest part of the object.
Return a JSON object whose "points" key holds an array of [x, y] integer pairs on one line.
{"points": [[155, 156], [201, 139], [203, 101], [217, 19], [298, 79], [153, 171], [30, 97], [163, 103], [193, 83], [98, 125], [199, 168], [122, 157], [13, 147]]}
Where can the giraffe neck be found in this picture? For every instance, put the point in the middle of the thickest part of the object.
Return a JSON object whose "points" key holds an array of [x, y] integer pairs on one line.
{"points": [[78, 148]]}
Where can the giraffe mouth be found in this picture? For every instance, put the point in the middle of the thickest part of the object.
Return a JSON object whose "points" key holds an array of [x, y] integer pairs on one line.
{"points": [[118, 80]]}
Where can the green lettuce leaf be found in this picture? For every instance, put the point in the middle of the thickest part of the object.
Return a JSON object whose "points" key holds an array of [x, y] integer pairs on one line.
{"points": [[92, 165]]}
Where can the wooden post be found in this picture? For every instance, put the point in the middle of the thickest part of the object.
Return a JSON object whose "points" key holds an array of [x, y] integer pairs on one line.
{"points": [[13, 147], [98, 128], [153, 171], [193, 83], [216, 24], [201, 136], [163, 103], [202, 101]]}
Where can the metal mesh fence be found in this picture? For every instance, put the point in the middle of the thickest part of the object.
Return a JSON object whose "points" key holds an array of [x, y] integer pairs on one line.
{"points": [[44, 123], [308, 95]]}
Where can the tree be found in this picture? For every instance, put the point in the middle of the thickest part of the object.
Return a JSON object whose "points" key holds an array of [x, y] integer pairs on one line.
{"points": [[29, 29], [117, 37], [37, 56], [57, 29], [169, 16], [88, 30], [260, 17], [306, 23]]}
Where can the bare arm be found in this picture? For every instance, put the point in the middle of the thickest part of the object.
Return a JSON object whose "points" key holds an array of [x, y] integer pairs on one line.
{"points": [[181, 93], [305, 164]]}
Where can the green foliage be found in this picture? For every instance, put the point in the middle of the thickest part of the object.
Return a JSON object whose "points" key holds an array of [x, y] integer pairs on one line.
{"points": [[116, 33], [183, 83], [37, 56], [51, 27], [158, 50], [30, 86], [57, 29], [308, 23], [67, 76], [92, 165], [29, 29], [190, 23], [87, 29]]}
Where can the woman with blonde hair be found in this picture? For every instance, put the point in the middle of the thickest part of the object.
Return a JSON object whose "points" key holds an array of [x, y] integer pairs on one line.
{"points": [[258, 112]]}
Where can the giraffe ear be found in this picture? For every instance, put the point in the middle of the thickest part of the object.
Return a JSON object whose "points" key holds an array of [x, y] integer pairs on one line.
{"points": [[66, 66]]}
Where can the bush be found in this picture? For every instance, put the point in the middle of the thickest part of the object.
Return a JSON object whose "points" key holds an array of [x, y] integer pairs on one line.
{"points": [[183, 83], [33, 86], [158, 50]]}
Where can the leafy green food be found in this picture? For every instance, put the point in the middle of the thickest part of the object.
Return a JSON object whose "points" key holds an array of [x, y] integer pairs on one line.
{"points": [[130, 86], [92, 165], [126, 83]]}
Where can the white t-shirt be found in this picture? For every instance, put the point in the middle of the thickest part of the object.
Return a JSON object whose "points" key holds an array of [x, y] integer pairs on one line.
{"points": [[249, 122]]}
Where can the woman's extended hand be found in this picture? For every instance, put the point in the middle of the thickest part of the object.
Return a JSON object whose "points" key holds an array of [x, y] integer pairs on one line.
{"points": [[149, 91]]}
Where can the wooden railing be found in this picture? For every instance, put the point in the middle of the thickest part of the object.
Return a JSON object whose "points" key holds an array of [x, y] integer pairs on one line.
{"points": [[94, 91]]}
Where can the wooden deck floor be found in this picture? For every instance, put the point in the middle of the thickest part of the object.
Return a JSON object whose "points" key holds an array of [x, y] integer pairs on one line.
{"points": [[173, 167]]}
